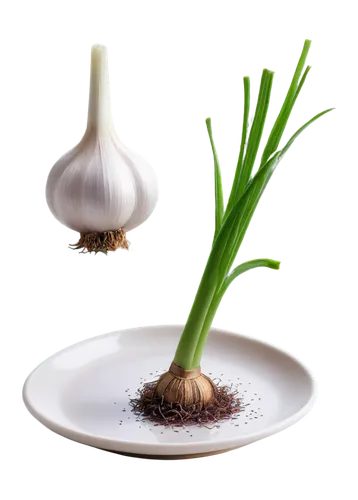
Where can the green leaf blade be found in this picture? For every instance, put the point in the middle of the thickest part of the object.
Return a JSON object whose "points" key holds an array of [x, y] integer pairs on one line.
{"points": [[219, 199], [243, 268], [286, 109], [245, 128], [256, 130]]}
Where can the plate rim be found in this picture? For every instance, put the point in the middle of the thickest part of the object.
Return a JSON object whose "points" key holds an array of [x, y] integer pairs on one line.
{"points": [[103, 442]]}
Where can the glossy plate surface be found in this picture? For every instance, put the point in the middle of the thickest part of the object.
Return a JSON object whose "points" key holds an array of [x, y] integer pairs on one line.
{"points": [[83, 392]]}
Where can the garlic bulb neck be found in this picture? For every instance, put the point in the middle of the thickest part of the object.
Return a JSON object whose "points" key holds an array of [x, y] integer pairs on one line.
{"points": [[99, 105]]}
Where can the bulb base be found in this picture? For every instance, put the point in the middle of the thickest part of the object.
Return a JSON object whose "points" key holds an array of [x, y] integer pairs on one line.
{"points": [[108, 241]]}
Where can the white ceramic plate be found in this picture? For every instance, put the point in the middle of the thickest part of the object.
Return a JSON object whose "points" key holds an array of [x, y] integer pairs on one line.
{"points": [[83, 392]]}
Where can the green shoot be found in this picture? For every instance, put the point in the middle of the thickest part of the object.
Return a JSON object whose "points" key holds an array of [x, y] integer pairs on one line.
{"points": [[231, 227]]}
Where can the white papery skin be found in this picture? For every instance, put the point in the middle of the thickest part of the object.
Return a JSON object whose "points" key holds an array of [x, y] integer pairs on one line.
{"points": [[100, 185]]}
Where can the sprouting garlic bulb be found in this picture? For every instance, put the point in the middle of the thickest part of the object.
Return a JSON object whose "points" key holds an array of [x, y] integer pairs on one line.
{"points": [[185, 387], [100, 188]]}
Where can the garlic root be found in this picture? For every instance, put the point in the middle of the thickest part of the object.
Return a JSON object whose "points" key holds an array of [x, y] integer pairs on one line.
{"points": [[108, 241]]}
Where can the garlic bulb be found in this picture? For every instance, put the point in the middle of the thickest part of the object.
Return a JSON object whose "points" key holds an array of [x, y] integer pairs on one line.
{"points": [[100, 188], [185, 387]]}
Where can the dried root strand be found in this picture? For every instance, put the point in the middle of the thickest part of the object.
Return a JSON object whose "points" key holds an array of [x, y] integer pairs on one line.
{"points": [[108, 241]]}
